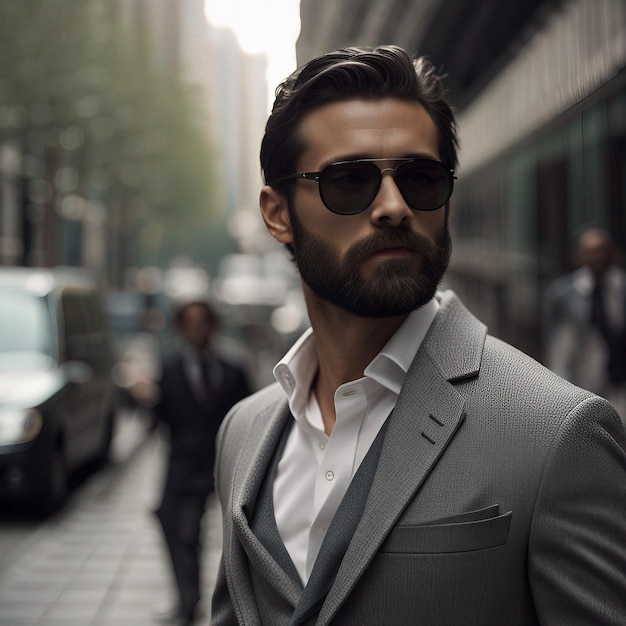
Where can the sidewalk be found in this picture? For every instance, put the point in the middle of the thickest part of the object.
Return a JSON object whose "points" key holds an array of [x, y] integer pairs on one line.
{"points": [[102, 561]]}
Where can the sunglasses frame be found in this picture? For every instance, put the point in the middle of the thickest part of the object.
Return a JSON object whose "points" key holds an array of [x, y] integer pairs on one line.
{"points": [[316, 176]]}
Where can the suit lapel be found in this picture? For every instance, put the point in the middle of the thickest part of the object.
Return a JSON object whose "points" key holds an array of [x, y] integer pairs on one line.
{"points": [[427, 415], [257, 453]]}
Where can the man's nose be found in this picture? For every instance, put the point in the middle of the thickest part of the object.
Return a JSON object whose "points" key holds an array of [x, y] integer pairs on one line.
{"points": [[389, 207]]}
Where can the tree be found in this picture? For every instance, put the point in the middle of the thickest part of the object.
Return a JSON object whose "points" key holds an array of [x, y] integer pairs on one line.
{"points": [[97, 121]]}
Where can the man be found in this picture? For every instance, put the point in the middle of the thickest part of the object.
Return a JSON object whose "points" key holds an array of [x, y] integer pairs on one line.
{"points": [[406, 468], [586, 320], [196, 390]]}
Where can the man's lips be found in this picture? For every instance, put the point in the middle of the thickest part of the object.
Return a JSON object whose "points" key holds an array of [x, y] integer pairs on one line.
{"points": [[394, 251], [390, 244]]}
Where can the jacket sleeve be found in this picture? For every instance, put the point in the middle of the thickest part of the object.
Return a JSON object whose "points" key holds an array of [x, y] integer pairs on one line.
{"points": [[233, 598], [222, 610], [230, 438], [577, 545]]}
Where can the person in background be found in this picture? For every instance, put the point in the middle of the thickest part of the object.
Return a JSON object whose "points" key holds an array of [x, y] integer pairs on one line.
{"points": [[406, 467], [586, 320], [196, 389]]}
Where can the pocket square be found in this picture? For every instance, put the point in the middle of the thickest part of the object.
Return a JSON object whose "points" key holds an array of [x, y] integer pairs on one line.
{"points": [[470, 516], [450, 535]]}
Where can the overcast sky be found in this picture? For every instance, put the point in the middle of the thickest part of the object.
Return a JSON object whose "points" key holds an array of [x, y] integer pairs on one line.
{"points": [[268, 26]]}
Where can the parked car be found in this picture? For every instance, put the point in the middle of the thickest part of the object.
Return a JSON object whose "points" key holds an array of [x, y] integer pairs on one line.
{"points": [[57, 398]]}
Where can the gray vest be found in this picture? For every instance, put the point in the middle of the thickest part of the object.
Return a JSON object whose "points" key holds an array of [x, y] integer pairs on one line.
{"points": [[333, 548]]}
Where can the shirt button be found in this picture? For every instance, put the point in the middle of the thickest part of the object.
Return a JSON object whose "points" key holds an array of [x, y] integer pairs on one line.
{"points": [[322, 445], [330, 475]]}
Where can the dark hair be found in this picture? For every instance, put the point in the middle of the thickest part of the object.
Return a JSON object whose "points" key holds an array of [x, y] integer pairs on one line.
{"points": [[349, 73], [182, 308]]}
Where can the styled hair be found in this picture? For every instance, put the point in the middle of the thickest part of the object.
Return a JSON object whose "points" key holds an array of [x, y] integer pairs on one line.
{"points": [[346, 74]]}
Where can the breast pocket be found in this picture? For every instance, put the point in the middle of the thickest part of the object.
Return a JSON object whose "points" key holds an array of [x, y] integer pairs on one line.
{"points": [[448, 571], [474, 530]]}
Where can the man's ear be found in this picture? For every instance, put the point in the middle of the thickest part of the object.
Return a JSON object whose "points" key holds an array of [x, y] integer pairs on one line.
{"points": [[275, 214]]}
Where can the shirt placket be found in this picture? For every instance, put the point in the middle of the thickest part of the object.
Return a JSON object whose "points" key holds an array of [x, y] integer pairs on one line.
{"points": [[337, 464]]}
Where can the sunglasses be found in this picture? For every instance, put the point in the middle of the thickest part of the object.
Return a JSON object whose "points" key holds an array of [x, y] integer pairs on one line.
{"points": [[349, 187]]}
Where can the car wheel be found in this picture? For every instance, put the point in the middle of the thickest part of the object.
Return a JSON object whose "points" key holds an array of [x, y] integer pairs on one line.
{"points": [[102, 458], [57, 486]]}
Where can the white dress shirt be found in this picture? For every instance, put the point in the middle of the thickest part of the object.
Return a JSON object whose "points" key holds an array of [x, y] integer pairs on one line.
{"points": [[315, 470]]}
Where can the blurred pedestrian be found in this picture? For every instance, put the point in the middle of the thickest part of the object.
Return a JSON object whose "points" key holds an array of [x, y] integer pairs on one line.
{"points": [[196, 389], [405, 467], [586, 320]]}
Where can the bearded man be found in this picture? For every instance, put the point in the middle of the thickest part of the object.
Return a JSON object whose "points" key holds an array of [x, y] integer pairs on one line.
{"points": [[406, 467]]}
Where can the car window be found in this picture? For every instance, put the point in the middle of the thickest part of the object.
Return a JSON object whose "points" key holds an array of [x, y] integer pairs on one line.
{"points": [[86, 334], [24, 324]]}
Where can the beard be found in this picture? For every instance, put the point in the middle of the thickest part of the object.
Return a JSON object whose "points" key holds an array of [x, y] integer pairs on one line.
{"points": [[398, 287]]}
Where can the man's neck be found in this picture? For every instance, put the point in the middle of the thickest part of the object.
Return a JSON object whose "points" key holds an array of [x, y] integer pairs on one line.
{"points": [[345, 345]]}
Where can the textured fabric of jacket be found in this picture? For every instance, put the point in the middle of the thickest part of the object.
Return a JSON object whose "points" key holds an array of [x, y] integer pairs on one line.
{"points": [[499, 499]]}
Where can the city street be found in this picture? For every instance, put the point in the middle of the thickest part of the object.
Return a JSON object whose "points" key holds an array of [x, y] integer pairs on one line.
{"points": [[101, 560]]}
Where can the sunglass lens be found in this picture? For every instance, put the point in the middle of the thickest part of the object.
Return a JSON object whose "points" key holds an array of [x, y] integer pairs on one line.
{"points": [[425, 185], [349, 188]]}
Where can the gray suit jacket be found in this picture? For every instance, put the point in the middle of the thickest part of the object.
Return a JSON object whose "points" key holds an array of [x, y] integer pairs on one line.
{"points": [[499, 499]]}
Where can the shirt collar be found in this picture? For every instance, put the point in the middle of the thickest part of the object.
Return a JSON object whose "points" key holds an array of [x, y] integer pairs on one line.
{"points": [[295, 371], [190, 354], [390, 365]]}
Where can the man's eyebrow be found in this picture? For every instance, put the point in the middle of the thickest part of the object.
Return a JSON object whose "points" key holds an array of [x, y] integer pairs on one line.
{"points": [[361, 156], [344, 157], [423, 155]]}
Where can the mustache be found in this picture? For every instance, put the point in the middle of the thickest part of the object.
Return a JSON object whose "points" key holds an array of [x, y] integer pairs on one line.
{"points": [[391, 238]]}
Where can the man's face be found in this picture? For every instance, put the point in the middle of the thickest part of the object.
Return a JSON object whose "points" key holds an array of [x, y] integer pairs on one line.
{"points": [[388, 260], [196, 327], [595, 250]]}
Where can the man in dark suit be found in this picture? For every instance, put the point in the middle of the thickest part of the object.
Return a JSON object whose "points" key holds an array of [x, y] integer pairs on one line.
{"points": [[406, 467], [196, 390]]}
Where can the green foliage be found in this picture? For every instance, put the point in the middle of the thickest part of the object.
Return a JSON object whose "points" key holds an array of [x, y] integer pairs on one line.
{"points": [[98, 118]]}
